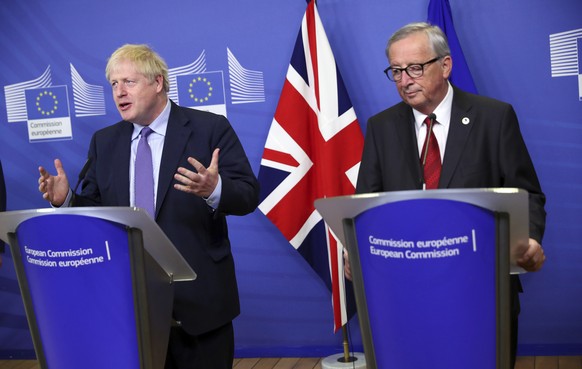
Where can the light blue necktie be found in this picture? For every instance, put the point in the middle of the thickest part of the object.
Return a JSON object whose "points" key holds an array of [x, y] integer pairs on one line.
{"points": [[144, 174]]}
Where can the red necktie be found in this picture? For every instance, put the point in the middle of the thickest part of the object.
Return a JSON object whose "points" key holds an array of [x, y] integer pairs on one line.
{"points": [[432, 162]]}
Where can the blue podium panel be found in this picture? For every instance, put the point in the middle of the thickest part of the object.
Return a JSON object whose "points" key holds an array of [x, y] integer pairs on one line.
{"points": [[429, 275], [79, 276]]}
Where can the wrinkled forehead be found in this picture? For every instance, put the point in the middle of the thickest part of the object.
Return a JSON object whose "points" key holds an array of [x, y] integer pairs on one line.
{"points": [[414, 48]]}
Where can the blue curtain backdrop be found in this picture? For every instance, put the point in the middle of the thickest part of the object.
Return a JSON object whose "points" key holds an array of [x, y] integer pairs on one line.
{"points": [[286, 308], [440, 14]]}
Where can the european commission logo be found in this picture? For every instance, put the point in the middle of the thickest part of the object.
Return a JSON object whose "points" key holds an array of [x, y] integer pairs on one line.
{"points": [[565, 50], [48, 113], [47, 110], [202, 91], [247, 86]]}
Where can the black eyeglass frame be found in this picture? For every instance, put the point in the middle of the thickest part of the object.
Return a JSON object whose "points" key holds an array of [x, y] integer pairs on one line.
{"points": [[421, 65]]}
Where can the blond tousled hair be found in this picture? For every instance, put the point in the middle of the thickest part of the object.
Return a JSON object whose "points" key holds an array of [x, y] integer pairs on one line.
{"points": [[147, 62]]}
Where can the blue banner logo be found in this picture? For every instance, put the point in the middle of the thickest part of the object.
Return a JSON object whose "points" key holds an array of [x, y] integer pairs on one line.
{"points": [[48, 114], [203, 91], [50, 102], [565, 55]]}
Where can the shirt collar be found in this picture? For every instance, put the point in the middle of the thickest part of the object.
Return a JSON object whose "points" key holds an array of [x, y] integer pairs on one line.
{"points": [[442, 111], [159, 125]]}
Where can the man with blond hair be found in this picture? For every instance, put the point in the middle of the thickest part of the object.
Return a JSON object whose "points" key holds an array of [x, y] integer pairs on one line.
{"points": [[200, 174]]}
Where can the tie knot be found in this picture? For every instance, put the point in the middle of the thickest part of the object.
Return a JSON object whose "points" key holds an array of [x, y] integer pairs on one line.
{"points": [[428, 121], [145, 132]]}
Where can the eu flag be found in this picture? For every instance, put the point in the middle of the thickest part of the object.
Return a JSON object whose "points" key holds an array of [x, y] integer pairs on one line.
{"points": [[47, 102], [201, 89], [439, 14]]}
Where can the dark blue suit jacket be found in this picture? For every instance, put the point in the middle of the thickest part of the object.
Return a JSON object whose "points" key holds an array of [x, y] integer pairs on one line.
{"points": [[198, 232]]}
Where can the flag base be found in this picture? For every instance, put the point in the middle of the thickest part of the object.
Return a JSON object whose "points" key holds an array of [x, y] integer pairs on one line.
{"points": [[357, 361]]}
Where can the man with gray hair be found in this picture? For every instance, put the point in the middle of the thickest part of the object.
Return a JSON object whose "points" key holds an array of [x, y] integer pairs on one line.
{"points": [[473, 141]]}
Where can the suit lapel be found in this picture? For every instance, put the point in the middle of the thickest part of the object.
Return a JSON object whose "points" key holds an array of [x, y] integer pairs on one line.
{"points": [[462, 121], [177, 136], [407, 134], [122, 155]]}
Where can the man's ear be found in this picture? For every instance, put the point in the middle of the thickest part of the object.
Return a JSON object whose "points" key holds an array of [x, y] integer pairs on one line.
{"points": [[447, 66], [160, 83]]}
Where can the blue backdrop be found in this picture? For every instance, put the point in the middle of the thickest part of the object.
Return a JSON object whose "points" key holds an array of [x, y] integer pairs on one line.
{"points": [[512, 49]]}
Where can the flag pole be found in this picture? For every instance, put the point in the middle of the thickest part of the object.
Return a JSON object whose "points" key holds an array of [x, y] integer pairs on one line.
{"points": [[313, 53], [347, 357], [346, 360]]}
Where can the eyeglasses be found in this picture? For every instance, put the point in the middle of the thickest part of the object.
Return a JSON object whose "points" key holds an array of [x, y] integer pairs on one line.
{"points": [[413, 70]]}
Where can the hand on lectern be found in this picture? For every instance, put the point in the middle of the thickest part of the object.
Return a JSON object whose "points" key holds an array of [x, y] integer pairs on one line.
{"points": [[54, 188], [347, 268], [533, 258]]}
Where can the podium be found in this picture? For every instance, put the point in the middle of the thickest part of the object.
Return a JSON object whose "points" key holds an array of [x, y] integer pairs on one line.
{"points": [[97, 285], [431, 273]]}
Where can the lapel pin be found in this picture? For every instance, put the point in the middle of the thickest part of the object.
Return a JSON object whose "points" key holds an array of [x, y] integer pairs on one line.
{"points": [[465, 120]]}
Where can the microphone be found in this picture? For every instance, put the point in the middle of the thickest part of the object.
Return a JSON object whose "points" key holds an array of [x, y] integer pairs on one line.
{"points": [[432, 118], [83, 172]]}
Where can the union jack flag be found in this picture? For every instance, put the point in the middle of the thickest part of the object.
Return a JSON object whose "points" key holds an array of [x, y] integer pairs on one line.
{"points": [[313, 150]]}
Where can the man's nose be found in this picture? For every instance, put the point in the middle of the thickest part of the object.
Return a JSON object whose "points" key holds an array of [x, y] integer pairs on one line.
{"points": [[406, 79], [119, 89]]}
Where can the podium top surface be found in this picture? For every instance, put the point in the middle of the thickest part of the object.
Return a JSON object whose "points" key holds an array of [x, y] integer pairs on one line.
{"points": [[155, 241], [513, 201]]}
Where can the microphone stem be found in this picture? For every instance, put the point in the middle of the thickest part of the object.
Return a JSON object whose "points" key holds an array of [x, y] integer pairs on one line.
{"points": [[428, 133]]}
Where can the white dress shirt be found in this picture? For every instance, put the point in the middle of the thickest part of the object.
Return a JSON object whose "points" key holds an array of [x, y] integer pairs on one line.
{"points": [[441, 130]]}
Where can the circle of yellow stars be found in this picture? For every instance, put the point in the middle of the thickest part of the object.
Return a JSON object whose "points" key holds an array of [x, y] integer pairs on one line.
{"points": [[55, 103], [204, 81]]}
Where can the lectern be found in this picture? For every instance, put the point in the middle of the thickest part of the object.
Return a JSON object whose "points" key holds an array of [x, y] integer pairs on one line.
{"points": [[97, 285], [431, 273]]}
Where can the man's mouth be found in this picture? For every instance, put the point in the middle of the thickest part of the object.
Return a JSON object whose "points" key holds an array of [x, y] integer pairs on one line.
{"points": [[410, 92], [124, 106]]}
